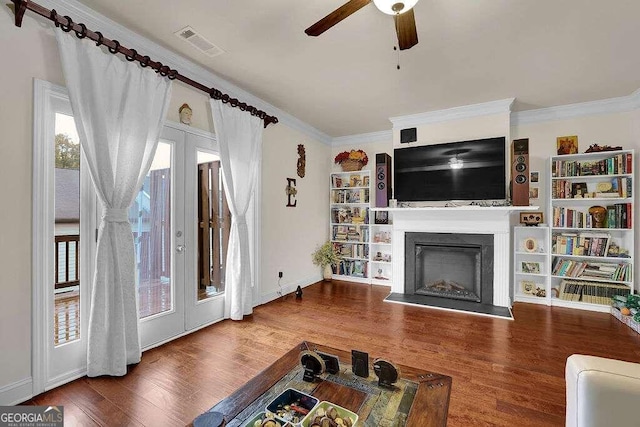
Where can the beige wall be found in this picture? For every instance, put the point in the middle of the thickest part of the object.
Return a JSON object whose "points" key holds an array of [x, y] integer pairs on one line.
{"points": [[28, 52], [291, 234]]}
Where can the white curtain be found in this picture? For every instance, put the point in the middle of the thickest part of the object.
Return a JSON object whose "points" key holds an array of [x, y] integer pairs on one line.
{"points": [[239, 136], [118, 109]]}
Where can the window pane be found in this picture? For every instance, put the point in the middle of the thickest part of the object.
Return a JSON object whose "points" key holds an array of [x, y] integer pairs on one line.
{"points": [[150, 218], [214, 221], [66, 231]]}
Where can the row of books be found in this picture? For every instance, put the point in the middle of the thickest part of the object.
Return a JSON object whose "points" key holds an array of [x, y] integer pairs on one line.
{"points": [[608, 271], [353, 268], [613, 188], [619, 215], [354, 195], [583, 244], [351, 250], [615, 165], [591, 292], [350, 215], [350, 233]]}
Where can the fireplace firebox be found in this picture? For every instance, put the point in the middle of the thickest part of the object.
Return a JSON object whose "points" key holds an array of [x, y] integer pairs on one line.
{"points": [[450, 265]]}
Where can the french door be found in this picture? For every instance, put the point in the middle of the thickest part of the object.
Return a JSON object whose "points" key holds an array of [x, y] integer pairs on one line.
{"points": [[180, 224]]}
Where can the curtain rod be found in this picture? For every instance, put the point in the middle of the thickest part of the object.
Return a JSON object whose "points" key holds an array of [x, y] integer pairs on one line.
{"points": [[65, 23]]}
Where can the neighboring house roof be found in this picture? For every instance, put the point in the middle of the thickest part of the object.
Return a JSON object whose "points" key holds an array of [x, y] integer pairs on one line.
{"points": [[67, 195]]}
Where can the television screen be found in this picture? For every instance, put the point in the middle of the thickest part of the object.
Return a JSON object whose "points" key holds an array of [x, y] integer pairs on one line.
{"points": [[466, 170]]}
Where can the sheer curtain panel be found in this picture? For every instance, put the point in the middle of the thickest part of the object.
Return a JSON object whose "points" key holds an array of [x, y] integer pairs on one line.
{"points": [[119, 108], [239, 136]]}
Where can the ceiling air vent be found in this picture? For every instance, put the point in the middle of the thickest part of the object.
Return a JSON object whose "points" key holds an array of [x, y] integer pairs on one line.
{"points": [[196, 40]]}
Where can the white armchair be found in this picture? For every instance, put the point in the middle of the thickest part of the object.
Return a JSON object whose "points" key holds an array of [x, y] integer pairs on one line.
{"points": [[602, 392]]}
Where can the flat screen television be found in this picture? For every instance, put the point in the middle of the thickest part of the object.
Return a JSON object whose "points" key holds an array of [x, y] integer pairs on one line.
{"points": [[465, 170]]}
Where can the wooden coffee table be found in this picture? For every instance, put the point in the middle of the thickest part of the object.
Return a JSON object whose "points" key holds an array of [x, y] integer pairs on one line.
{"points": [[419, 398]]}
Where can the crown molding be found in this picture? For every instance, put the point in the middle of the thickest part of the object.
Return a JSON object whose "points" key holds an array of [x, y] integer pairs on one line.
{"points": [[113, 30], [455, 113], [621, 104], [363, 138]]}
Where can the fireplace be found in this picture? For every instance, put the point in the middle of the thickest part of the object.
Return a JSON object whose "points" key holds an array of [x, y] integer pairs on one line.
{"points": [[450, 265]]}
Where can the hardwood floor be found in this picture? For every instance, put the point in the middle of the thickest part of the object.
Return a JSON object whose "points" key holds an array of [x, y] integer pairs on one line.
{"points": [[505, 373]]}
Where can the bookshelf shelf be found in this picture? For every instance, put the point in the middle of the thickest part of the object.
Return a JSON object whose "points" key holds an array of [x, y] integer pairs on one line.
{"points": [[593, 279], [576, 244]]}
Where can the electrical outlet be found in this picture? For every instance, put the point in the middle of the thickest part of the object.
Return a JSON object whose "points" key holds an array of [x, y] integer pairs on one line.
{"points": [[280, 274]]}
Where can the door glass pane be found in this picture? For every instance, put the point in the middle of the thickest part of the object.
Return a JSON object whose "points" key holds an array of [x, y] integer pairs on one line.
{"points": [[150, 218], [66, 231], [214, 221]]}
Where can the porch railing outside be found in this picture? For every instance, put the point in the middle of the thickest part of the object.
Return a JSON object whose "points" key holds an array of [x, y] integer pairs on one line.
{"points": [[67, 289]]}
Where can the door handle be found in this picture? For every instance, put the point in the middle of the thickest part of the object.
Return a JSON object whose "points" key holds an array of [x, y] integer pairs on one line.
{"points": [[180, 248]]}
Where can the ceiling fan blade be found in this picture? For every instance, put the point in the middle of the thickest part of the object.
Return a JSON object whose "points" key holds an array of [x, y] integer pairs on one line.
{"points": [[336, 16], [406, 30]]}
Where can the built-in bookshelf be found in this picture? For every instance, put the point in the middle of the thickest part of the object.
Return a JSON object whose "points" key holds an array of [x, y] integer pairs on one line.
{"points": [[531, 261], [381, 253], [350, 228], [591, 228]]}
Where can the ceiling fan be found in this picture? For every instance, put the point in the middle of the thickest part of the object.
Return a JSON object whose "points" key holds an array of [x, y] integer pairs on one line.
{"points": [[402, 12]]}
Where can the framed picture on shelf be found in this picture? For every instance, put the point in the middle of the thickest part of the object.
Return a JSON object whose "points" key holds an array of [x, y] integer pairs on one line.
{"points": [[381, 217], [579, 190], [355, 181], [530, 244], [365, 181], [530, 267], [528, 287]]}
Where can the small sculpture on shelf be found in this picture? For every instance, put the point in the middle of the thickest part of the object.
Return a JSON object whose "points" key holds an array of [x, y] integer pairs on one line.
{"points": [[595, 148], [598, 216]]}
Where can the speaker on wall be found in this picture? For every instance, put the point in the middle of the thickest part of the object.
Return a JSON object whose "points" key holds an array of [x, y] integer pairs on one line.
{"points": [[408, 135], [520, 172], [383, 180]]}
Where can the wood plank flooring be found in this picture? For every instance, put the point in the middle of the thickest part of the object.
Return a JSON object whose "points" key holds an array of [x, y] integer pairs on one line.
{"points": [[505, 373]]}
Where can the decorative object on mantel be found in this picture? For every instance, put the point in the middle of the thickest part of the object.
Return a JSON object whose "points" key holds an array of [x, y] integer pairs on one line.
{"points": [[531, 218], [353, 160], [302, 160], [595, 148], [291, 191], [185, 114], [567, 144], [325, 256], [599, 215]]}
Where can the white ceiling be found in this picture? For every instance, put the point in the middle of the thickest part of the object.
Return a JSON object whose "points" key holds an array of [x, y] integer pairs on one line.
{"points": [[542, 52]]}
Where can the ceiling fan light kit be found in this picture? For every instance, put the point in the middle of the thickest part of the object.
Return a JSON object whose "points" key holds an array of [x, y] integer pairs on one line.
{"points": [[402, 12], [394, 7]]}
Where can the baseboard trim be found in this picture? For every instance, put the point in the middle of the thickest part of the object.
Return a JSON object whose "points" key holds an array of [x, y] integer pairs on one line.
{"points": [[16, 392], [289, 288]]}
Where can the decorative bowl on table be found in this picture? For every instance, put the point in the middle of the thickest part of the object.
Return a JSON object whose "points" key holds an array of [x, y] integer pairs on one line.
{"points": [[330, 414], [291, 406]]}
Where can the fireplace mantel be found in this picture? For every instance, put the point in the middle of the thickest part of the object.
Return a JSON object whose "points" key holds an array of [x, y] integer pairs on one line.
{"points": [[460, 219]]}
